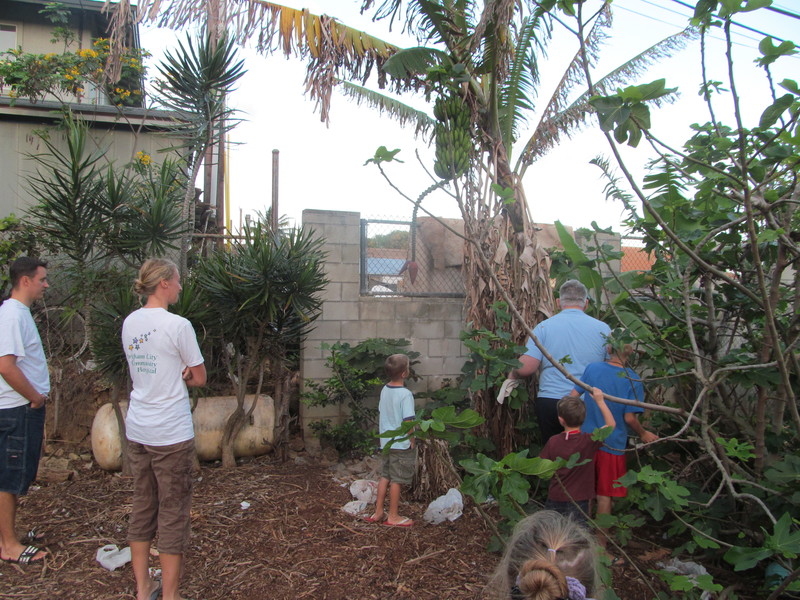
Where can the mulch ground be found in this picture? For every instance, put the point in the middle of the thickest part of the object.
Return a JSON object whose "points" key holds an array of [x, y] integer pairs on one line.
{"points": [[293, 541]]}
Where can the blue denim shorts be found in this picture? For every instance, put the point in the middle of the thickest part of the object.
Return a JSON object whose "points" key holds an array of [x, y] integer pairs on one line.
{"points": [[21, 434]]}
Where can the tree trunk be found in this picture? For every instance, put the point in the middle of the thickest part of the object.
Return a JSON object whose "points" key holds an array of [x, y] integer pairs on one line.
{"points": [[123, 440], [436, 473], [186, 211], [232, 428], [281, 402], [522, 266]]}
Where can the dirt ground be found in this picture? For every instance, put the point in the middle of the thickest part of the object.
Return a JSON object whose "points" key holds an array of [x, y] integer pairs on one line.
{"points": [[293, 541]]}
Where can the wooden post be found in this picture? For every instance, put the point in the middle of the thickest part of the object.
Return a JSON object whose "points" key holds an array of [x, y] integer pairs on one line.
{"points": [[220, 191], [275, 157]]}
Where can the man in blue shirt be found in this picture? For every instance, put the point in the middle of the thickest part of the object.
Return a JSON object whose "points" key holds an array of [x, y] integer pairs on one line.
{"points": [[574, 339]]}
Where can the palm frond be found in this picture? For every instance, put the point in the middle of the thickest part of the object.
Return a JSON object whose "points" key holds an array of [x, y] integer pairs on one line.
{"points": [[437, 22], [397, 110], [637, 65], [412, 62], [574, 75], [569, 119], [327, 44], [519, 89], [613, 189]]}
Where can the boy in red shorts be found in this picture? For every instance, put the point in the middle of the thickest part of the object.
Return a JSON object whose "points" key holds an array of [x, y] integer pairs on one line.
{"points": [[610, 463]]}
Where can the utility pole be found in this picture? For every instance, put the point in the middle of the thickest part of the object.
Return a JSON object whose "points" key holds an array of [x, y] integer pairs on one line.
{"points": [[214, 170]]}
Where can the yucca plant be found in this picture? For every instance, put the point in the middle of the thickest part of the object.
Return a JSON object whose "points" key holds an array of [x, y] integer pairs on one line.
{"points": [[194, 81], [144, 217], [68, 189], [265, 295], [91, 211]]}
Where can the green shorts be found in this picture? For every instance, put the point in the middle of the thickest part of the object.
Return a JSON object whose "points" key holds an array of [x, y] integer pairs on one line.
{"points": [[400, 466]]}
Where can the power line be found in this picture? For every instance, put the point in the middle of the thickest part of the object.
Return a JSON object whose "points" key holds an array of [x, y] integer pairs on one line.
{"points": [[782, 11], [745, 26], [678, 26]]}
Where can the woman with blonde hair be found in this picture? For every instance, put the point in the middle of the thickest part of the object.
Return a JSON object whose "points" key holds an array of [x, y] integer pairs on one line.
{"points": [[549, 557], [163, 358]]}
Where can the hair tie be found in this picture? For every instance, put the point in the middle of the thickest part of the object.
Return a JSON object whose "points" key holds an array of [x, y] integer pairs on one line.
{"points": [[576, 590], [552, 550]]}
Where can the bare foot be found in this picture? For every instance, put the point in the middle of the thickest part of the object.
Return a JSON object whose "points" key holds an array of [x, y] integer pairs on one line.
{"points": [[151, 592]]}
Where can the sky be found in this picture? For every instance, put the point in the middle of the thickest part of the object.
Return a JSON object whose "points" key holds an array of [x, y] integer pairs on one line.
{"points": [[322, 166]]}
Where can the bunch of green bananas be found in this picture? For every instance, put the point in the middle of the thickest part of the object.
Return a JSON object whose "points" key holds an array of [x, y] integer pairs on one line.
{"points": [[453, 138]]}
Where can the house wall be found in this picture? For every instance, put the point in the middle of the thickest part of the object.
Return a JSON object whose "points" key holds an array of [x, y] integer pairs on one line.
{"points": [[432, 325], [34, 31], [117, 133], [20, 140]]}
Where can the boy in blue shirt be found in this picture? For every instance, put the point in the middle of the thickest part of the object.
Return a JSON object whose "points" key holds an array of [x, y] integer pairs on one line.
{"points": [[615, 379], [400, 464]]}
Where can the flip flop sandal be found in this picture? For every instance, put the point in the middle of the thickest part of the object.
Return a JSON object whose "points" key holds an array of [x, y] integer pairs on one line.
{"points": [[26, 557], [33, 536], [372, 519], [404, 523]]}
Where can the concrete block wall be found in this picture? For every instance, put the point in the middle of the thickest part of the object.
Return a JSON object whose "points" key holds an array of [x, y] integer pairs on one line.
{"points": [[432, 325]]}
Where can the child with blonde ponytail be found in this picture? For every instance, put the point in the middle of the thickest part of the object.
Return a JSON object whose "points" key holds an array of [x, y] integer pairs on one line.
{"points": [[549, 557]]}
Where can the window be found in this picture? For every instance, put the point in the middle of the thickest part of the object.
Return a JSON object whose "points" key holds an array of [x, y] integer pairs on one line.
{"points": [[8, 37]]}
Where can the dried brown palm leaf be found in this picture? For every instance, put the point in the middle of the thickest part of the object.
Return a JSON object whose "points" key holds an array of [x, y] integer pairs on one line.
{"points": [[329, 46], [436, 472]]}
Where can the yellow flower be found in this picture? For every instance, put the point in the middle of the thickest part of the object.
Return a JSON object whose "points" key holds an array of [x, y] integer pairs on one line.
{"points": [[143, 158]]}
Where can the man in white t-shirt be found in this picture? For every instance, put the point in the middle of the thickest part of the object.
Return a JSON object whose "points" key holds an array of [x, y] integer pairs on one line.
{"points": [[24, 385]]}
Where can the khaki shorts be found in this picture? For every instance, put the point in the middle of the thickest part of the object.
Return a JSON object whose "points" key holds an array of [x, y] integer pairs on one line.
{"points": [[162, 494], [400, 466]]}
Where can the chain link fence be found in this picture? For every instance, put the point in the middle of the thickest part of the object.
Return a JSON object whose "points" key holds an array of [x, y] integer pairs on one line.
{"points": [[405, 258], [634, 256]]}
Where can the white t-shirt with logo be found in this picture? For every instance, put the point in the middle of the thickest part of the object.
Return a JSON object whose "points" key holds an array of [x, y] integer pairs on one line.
{"points": [[20, 337], [159, 345]]}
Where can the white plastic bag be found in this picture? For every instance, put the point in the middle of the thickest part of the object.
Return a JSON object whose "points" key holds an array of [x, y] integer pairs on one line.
{"points": [[355, 507], [111, 557], [445, 508], [365, 490]]}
